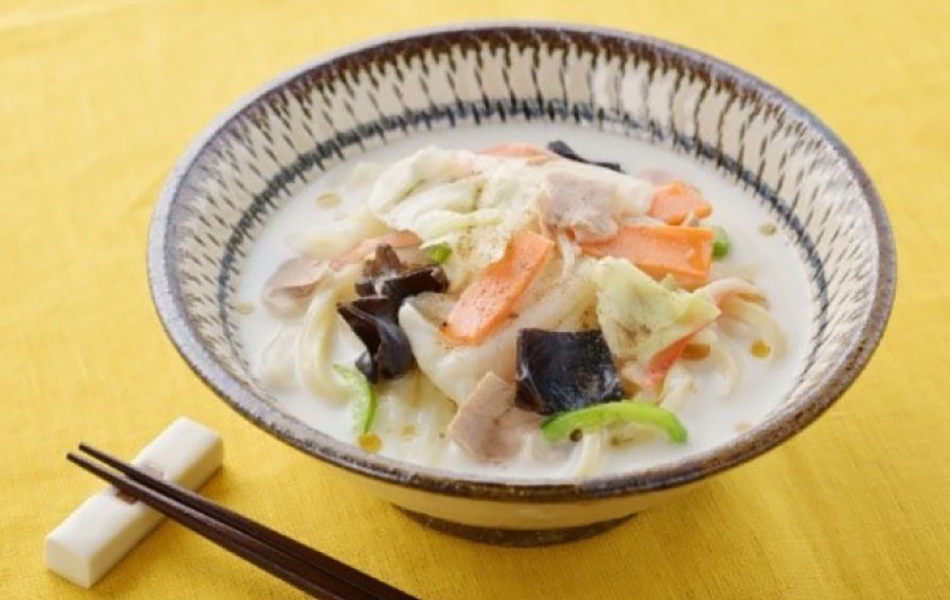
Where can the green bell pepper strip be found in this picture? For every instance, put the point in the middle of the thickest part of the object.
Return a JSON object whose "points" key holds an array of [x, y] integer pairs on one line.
{"points": [[361, 395], [721, 243], [560, 426], [439, 253]]}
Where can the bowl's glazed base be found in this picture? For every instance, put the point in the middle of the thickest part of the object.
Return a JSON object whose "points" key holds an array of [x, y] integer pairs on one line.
{"points": [[516, 537]]}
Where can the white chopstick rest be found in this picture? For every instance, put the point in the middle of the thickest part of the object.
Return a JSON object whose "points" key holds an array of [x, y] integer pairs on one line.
{"points": [[108, 525]]}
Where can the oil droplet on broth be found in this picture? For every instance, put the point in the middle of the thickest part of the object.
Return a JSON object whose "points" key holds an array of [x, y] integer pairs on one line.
{"points": [[695, 351], [760, 349], [370, 442], [328, 200], [408, 432], [767, 229], [245, 308]]}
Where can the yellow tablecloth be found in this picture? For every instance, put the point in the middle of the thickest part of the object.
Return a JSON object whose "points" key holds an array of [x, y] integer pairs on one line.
{"points": [[97, 99]]}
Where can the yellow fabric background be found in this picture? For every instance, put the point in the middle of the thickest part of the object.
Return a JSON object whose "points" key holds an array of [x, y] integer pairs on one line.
{"points": [[98, 98]]}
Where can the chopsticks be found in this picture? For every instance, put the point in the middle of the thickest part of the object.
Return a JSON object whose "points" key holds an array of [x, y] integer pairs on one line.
{"points": [[301, 566]]}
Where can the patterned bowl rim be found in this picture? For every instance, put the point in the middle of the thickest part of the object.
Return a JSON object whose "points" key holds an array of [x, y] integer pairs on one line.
{"points": [[781, 426]]}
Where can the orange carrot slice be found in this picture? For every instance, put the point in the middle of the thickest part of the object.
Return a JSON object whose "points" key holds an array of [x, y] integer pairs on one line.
{"points": [[490, 299], [661, 364], [672, 203], [654, 374], [396, 239], [660, 250]]}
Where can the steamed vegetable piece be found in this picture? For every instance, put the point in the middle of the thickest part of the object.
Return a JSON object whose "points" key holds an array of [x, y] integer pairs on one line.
{"points": [[334, 239], [384, 284], [674, 202], [559, 371], [507, 205], [361, 395], [530, 288], [433, 180], [416, 211], [490, 299], [563, 150], [561, 426], [439, 253], [373, 320], [428, 166], [456, 369], [654, 374], [472, 204], [645, 324], [720, 243], [660, 250]]}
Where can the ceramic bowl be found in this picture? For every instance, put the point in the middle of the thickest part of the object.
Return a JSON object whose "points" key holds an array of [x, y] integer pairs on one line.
{"points": [[450, 81]]}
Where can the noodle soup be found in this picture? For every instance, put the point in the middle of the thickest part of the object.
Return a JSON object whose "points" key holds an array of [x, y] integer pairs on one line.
{"points": [[546, 307]]}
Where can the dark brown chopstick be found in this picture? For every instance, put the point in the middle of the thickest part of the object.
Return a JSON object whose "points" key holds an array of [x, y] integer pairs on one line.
{"points": [[235, 541], [253, 528], [295, 563]]}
